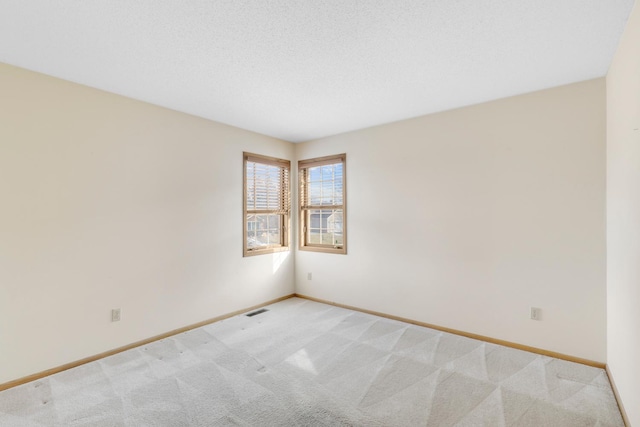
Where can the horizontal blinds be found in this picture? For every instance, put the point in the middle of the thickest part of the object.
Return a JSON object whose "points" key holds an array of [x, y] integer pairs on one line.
{"points": [[267, 187], [267, 160], [322, 183], [322, 161]]}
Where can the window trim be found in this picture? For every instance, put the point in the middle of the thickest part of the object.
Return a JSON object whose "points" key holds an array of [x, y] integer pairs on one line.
{"points": [[302, 219], [285, 212]]}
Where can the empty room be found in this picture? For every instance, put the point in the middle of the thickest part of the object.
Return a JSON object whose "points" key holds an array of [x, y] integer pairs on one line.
{"points": [[320, 213]]}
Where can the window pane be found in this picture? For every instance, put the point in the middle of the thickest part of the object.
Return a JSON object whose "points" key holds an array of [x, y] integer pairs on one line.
{"points": [[315, 174], [326, 237], [274, 235], [325, 226], [314, 236], [261, 222], [327, 172], [327, 193], [274, 222], [338, 185], [264, 230], [335, 221], [339, 199], [250, 221], [315, 189], [252, 242], [324, 216], [314, 218]]}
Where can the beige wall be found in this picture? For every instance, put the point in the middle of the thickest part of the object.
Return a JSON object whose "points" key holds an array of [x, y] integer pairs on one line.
{"points": [[108, 202], [463, 219], [466, 218], [623, 217]]}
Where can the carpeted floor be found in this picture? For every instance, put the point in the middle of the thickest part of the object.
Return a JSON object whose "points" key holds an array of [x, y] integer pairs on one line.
{"points": [[302, 363]]}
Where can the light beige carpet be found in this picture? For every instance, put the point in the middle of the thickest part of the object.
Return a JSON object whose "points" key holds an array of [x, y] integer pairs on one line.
{"points": [[303, 363]]}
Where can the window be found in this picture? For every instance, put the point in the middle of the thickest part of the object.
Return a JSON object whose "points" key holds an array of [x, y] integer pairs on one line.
{"points": [[323, 204], [266, 204]]}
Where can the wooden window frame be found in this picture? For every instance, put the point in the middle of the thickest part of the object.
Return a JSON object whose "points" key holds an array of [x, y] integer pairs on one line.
{"points": [[304, 205], [284, 209]]}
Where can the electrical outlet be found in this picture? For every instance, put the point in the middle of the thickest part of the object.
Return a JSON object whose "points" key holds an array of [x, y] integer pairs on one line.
{"points": [[308, 276], [535, 313], [115, 315]]}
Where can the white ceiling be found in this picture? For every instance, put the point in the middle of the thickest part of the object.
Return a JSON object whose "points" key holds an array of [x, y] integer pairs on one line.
{"points": [[302, 69]]}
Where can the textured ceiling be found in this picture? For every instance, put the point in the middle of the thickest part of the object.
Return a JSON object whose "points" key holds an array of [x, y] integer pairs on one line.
{"points": [[301, 69]]}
